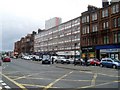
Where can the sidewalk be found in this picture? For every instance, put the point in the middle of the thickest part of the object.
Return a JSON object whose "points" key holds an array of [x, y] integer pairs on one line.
{"points": [[77, 67]]}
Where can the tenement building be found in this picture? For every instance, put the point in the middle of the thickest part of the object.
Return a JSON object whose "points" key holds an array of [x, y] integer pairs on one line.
{"points": [[100, 31], [25, 45], [63, 39]]}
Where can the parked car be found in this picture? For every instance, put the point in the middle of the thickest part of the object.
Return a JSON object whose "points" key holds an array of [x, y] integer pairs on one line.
{"points": [[94, 61], [110, 62], [62, 60], [26, 58], [35, 57], [79, 61], [6, 59], [46, 59]]}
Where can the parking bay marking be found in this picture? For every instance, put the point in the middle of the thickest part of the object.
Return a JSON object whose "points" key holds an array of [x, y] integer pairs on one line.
{"points": [[52, 83]]}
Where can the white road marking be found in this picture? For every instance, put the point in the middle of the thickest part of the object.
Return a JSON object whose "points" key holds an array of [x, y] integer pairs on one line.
{"points": [[4, 85], [7, 87], [1, 81]]}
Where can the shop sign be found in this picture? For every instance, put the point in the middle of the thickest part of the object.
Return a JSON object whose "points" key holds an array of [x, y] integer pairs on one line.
{"points": [[109, 50]]}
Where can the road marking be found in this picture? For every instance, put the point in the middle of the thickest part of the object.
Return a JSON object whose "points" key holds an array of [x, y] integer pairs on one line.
{"points": [[90, 86], [94, 79], [19, 85], [7, 87], [3, 84], [52, 83], [25, 76], [33, 85], [108, 75], [86, 72], [1, 81], [61, 79]]}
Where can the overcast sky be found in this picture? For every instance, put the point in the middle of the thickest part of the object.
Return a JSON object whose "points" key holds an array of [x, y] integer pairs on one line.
{"points": [[20, 17]]}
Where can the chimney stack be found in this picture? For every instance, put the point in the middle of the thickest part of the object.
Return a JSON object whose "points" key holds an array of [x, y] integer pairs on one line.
{"points": [[105, 3]]}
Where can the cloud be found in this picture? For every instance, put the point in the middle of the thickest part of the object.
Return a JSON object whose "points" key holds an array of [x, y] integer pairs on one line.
{"points": [[13, 28]]}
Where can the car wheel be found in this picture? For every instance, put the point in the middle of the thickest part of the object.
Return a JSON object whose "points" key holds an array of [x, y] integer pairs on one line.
{"points": [[56, 61], [114, 66], [95, 64], [62, 62], [101, 65]]}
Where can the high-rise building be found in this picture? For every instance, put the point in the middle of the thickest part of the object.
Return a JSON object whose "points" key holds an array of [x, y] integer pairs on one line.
{"points": [[52, 22]]}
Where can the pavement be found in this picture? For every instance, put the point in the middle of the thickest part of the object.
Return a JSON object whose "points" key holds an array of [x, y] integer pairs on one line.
{"points": [[94, 69]]}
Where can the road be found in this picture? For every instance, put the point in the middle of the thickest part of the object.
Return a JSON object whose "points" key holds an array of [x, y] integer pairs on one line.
{"points": [[26, 75]]}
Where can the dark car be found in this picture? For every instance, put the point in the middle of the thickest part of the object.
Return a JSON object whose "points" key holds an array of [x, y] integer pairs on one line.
{"points": [[6, 59], [79, 61], [94, 61], [46, 59]]}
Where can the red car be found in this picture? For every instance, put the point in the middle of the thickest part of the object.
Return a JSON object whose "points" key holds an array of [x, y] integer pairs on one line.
{"points": [[94, 61], [6, 59]]}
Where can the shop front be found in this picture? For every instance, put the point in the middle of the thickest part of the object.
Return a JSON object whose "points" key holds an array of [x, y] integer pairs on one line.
{"points": [[112, 51], [89, 51], [69, 54]]}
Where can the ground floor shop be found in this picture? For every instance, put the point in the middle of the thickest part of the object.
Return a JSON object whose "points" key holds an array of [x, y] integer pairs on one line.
{"points": [[101, 51], [112, 51]]}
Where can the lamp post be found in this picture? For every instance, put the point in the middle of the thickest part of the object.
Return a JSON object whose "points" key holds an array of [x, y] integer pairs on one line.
{"points": [[75, 44]]}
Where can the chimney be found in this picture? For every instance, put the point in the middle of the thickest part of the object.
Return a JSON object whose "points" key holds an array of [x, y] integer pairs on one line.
{"points": [[39, 30], [33, 32], [92, 8], [105, 3]]}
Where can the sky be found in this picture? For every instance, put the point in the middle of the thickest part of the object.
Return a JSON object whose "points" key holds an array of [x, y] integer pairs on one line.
{"points": [[20, 17]]}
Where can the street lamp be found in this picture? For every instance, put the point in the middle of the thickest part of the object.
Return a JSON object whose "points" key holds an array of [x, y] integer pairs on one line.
{"points": [[75, 44]]}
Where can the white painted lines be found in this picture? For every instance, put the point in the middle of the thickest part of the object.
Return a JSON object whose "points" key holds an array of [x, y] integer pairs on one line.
{"points": [[4, 85]]}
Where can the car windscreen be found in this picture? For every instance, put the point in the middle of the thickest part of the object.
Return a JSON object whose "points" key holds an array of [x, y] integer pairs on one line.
{"points": [[116, 60]]}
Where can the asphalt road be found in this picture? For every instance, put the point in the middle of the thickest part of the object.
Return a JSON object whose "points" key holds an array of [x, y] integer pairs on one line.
{"points": [[26, 75]]}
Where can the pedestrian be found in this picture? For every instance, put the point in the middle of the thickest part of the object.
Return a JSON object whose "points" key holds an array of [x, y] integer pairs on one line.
{"points": [[52, 60], [86, 59]]}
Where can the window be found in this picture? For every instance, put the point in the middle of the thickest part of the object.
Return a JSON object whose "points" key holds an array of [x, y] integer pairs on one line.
{"points": [[85, 30], [94, 16], [87, 18], [118, 37], [119, 22], [109, 61], [105, 25], [94, 28], [105, 40], [105, 13], [115, 38], [114, 22], [88, 29], [94, 40], [115, 8]]}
